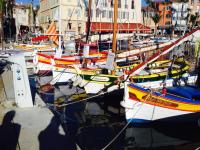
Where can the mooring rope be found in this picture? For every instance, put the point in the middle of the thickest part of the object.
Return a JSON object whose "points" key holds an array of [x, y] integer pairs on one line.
{"points": [[105, 147]]}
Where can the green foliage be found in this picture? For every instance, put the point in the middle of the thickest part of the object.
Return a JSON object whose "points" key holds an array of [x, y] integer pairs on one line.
{"points": [[193, 19], [156, 18]]}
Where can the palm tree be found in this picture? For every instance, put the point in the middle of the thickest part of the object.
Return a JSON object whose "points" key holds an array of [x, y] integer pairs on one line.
{"points": [[156, 18], [35, 13], [193, 19], [150, 5], [187, 19]]}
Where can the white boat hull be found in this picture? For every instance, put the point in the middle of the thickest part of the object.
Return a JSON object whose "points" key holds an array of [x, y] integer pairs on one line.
{"points": [[95, 87], [143, 113], [146, 113]]}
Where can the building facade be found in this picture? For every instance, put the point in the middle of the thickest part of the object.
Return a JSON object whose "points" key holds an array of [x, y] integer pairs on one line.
{"points": [[72, 15], [180, 17], [164, 10], [21, 15], [129, 16], [147, 14], [194, 6]]}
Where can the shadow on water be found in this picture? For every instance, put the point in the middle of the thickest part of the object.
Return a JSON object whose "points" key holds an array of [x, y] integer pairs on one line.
{"points": [[9, 132]]}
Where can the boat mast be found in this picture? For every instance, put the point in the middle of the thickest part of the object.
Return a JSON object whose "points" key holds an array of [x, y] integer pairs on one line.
{"points": [[88, 21], [59, 50], [115, 26]]}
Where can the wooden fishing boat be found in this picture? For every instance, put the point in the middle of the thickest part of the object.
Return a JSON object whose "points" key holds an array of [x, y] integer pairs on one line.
{"points": [[180, 104], [46, 62], [94, 82]]}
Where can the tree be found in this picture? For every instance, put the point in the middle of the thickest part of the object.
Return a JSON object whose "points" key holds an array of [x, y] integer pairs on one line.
{"points": [[156, 18], [35, 13]]}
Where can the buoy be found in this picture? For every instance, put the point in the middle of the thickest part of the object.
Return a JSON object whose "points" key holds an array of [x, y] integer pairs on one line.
{"points": [[46, 87]]}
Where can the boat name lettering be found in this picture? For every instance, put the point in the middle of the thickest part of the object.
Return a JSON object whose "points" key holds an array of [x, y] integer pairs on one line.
{"points": [[161, 102], [96, 78]]}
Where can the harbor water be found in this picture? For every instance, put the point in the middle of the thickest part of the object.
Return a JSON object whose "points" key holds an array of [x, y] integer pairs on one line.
{"points": [[99, 123]]}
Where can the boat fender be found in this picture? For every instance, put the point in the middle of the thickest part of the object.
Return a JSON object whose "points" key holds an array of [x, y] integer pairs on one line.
{"points": [[77, 81], [83, 83], [52, 62], [127, 104], [35, 59], [74, 78]]}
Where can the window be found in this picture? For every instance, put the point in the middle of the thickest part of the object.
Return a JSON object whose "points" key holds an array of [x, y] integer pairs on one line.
{"points": [[168, 8], [105, 3], [167, 23], [119, 14], [124, 15], [79, 29], [110, 14], [127, 15], [119, 4], [91, 15], [103, 13], [69, 12], [78, 12], [132, 4], [98, 12], [126, 4], [69, 25], [168, 15]]}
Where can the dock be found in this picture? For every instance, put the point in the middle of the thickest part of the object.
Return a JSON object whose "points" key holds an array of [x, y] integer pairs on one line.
{"points": [[34, 128]]}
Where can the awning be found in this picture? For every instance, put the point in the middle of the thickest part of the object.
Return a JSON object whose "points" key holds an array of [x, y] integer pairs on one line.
{"points": [[122, 27]]}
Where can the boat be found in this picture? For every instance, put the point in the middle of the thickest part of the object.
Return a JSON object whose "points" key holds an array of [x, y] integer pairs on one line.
{"points": [[180, 104], [154, 74]]}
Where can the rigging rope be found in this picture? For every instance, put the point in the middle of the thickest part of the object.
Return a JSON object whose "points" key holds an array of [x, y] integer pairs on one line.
{"points": [[105, 147]]}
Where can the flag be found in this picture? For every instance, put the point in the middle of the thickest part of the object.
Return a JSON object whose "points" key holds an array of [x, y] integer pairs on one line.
{"points": [[52, 30]]}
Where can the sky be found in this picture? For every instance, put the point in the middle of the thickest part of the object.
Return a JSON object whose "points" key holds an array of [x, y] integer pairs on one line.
{"points": [[28, 1], [37, 2]]}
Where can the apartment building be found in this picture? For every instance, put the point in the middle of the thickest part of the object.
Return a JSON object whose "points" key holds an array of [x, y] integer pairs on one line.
{"points": [[194, 6], [72, 15], [129, 16], [21, 13], [164, 10], [147, 14], [180, 15]]}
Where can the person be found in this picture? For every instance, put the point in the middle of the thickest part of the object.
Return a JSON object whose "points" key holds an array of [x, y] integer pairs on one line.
{"points": [[63, 45], [184, 78], [176, 80], [164, 91]]}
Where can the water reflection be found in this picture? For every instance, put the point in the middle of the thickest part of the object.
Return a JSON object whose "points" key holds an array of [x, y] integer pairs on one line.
{"points": [[91, 126]]}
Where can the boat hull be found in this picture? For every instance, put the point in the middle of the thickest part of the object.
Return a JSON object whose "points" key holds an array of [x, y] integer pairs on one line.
{"points": [[144, 106], [148, 114]]}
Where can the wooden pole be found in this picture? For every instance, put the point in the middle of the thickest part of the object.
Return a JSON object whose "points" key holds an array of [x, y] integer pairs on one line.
{"points": [[114, 42], [88, 21]]}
